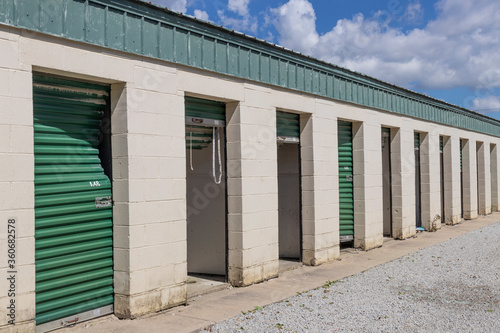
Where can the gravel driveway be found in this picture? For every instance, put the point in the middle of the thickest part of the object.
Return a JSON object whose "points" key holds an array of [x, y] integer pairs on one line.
{"points": [[449, 287]]}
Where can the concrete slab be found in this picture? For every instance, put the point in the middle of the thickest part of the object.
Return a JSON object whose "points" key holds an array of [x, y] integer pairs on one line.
{"points": [[200, 284], [208, 309]]}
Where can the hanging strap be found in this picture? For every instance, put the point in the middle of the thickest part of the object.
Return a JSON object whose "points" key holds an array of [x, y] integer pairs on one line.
{"points": [[191, 149], [219, 153], [218, 179]]}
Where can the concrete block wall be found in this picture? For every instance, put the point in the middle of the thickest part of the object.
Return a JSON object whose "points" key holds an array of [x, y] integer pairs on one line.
{"points": [[150, 212], [320, 187], [149, 180], [452, 187], [430, 181], [403, 183], [17, 282], [495, 177], [368, 198], [483, 178], [469, 171], [252, 189]]}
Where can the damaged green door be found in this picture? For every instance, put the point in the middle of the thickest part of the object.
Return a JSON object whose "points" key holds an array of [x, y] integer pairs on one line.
{"points": [[73, 213]]}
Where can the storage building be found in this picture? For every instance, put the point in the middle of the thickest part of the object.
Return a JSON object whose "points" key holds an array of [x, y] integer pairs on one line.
{"points": [[139, 146]]}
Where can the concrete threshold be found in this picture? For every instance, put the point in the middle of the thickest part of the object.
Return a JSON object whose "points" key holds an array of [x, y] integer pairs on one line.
{"points": [[208, 309], [202, 284]]}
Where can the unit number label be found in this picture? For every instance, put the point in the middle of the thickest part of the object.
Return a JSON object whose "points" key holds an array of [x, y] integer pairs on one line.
{"points": [[94, 184]]}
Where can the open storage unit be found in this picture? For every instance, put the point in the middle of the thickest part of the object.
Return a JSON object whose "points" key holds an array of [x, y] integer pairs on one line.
{"points": [[387, 180], [289, 185], [206, 187], [418, 184]]}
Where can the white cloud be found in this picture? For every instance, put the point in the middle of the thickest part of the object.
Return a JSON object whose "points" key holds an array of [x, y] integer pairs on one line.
{"points": [[247, 23], [413, 13], [175, 5], [201, 14], [296, 25], [238, 6], [243, 21], [459, 48], [490, 103]]}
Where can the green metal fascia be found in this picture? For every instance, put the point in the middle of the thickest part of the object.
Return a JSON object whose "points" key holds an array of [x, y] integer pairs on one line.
{"points": [[140, 28]]}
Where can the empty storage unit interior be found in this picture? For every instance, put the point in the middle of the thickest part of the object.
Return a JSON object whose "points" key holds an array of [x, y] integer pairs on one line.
{"points": [[206, 187], [140, 145], [289, 188]]}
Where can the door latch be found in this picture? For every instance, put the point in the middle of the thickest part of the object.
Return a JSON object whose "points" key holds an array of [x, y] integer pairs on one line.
{"points": [[102, 202]]}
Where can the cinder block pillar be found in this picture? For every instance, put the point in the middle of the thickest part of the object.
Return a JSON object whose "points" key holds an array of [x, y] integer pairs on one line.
{"points": [[368, 192], [469, 171], [430, 181], [452, 198], [252, 189], [484, 178], [17, 202], [320, 203], [403, 183], [149, 188], [495, 177]]}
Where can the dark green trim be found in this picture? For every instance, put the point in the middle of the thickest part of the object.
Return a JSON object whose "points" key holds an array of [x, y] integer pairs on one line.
{"points": [[288, 124], [416, 140], [140, 28], [200, 137], [203, 108]]}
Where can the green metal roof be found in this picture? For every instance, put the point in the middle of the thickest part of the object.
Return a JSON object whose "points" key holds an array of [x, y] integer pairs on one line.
{"points": [[141, 28]]}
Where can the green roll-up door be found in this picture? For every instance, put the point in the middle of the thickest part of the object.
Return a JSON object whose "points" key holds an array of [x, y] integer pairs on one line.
{"points": [[288, 125], [346, 193], [416, 140], [461, 150], [199, 131], [73, 213]]}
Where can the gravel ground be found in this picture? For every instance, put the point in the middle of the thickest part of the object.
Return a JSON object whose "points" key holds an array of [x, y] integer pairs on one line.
{"points": [[449, 287]]}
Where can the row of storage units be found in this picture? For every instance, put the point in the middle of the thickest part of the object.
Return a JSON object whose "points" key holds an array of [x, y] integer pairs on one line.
{"points": [[124, 137], [73, 209]]}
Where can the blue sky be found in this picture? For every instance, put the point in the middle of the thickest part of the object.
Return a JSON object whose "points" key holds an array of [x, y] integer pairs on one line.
{"points": [[447, 49]]}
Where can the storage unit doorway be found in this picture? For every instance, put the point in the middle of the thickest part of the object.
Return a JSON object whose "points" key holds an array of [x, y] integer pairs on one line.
{"points": [[73, 207], [289, 186], [418, 184], [494, 177], [346, 179], [206, 189], [462, 143], [442, 181], [387, 180]]}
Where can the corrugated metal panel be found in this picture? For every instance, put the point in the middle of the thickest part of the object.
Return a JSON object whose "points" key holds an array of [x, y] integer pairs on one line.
{"points": [[139, 28], [416, 140], [461, 150], [288, 124], [199, 137], [346, 190], [73, 238]]}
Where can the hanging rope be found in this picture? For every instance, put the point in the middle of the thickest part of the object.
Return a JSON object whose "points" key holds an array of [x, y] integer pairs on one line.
{"points": [[218, 179], [191, 149], [219, 153]]}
